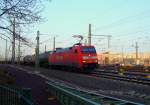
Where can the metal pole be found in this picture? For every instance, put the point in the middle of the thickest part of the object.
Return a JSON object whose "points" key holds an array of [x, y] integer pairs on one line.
{"points": [[45, 48], [108, 48], [6, 53], [89, 35], [5, 49], [13, 43], [122, 54], [108, 42], [54, 44], [37, 50], [136, 47], [19, 51], [85, 42]]}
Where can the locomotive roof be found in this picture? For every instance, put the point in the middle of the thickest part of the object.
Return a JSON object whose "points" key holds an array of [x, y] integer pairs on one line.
{"points": [[69, 48]]}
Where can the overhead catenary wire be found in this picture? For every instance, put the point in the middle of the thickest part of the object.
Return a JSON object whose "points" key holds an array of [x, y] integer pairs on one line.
{"points": [[125, 20]]}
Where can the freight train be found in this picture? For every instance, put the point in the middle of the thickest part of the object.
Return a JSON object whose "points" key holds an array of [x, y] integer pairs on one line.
{"points": [[81, 58]]}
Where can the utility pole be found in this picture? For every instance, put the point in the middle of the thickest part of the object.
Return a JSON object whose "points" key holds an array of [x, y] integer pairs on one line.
{"points": [[45, 48], [89, 35], [5, 49], [6, 53], [136, 47], [122, 55], [19, 49], [108, 36], [13, 43], [85, 42], [54, 44], [37, 50]]}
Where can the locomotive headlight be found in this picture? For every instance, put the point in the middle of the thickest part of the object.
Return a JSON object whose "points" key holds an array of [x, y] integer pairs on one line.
{"points": [[96, 60], [83, 61]]}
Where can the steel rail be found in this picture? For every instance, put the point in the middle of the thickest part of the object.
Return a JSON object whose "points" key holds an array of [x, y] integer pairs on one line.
{"points": [[128, 78]]}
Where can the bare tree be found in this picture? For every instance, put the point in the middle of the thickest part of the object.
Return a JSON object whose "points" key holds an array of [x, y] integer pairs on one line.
{"points": [[17, 14], [24, 11]]}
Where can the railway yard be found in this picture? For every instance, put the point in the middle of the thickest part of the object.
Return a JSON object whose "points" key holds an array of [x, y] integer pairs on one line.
{"points": [[109, 84], [75, 52], [72, 76]]}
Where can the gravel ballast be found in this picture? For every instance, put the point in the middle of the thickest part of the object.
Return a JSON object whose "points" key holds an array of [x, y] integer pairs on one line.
{"points": [[125, 90]]}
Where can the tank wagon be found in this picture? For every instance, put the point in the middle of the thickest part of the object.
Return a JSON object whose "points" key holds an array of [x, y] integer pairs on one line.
{"points": [[79, 57], [43, 59], [29, 59]]}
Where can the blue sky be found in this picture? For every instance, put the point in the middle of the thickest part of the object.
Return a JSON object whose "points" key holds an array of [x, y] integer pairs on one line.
{"points": [[126, 20]]}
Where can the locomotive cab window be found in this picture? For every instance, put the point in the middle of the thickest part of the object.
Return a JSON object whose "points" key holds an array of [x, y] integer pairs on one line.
{"points": [[88, 50]]}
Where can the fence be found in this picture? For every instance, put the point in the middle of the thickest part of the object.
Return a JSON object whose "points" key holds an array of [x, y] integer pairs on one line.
{"points": [[15, 96], [71, 96]]}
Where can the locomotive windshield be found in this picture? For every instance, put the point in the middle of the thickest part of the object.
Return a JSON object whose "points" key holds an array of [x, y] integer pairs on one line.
{"points": [[88, 50]]}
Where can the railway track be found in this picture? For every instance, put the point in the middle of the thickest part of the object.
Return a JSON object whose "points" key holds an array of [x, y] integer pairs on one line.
{"points": [[129, 77], [134, 77], [105, 86]]}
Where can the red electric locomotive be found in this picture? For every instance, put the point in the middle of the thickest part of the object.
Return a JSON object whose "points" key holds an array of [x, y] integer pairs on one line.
{"points": [[79, 56]]}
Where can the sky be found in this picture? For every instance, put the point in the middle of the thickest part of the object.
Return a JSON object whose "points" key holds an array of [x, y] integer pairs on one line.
{"points": [[127, 21]]}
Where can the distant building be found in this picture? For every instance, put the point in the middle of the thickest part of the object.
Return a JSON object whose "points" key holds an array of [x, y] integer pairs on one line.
{"points": [[125, 59]]}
